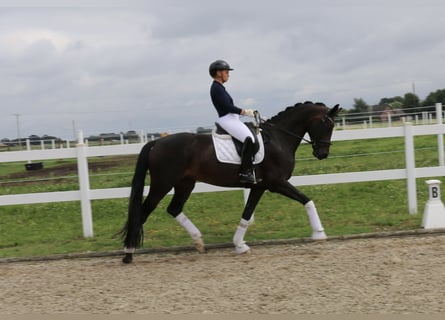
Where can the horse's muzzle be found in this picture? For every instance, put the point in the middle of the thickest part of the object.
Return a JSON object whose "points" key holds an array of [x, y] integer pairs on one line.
{"points": [[320, 155]]}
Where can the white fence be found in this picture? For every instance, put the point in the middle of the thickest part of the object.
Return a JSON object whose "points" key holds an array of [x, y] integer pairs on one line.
{"points": [[386, 118], [85, 194]]}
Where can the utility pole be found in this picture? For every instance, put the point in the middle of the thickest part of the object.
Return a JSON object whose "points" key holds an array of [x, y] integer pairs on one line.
{"points": [[19, 135], [74, 130]]}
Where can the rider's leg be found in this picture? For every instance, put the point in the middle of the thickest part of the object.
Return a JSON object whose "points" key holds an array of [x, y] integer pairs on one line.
{"points": [[237, 129], [246, 174]]}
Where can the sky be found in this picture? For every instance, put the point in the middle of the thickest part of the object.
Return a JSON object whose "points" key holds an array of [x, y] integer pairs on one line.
{"points": [[113, 66]]}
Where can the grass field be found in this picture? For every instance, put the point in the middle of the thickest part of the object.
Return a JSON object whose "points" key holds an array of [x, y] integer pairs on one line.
{"points": [[52, 228]]}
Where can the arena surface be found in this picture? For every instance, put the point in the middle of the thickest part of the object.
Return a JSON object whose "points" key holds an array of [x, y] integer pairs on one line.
{"points": [[382, 275]]}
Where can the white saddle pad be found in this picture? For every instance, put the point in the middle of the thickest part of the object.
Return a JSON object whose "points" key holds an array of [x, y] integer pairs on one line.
{"points": [[226, 152]]}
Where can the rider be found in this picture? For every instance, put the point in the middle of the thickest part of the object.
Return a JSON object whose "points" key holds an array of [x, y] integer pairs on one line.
{"points": [[229, 118]]}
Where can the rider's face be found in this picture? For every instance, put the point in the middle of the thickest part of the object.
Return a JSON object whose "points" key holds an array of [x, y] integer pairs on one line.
{"points": [[223, 75]]}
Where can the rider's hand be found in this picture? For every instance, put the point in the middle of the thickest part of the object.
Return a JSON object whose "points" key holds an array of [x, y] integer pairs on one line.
{"points": [[249, 112]]}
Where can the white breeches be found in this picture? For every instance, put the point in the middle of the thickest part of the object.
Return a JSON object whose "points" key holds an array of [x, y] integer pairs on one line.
{"points": [[235, 127]]}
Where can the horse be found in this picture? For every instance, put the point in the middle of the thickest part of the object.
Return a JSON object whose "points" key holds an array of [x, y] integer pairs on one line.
{"points": [[177, 161]]}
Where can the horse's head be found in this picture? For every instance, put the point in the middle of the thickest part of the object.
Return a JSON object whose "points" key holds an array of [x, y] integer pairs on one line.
{"points": [[320, 131]]}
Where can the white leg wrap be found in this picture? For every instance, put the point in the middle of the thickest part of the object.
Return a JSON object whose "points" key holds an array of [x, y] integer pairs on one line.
{"points": [[238, 238], [317, 228], [188, 226], [129, 250]]}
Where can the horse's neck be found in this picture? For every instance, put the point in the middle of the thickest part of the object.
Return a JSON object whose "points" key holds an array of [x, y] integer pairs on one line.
{"points": [[293, 126], [295, 117], [287, 135]]}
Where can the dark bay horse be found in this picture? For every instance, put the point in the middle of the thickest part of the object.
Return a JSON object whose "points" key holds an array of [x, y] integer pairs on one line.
{"points": [[179, 160]]}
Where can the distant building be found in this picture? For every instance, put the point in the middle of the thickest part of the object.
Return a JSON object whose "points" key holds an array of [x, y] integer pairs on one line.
{"points": [[201, 130], [396, 114], [130, 135]]}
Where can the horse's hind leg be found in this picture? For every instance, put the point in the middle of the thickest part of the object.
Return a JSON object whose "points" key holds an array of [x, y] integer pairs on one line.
{"points": [[152, 200], [238, 238], [181, 195]]}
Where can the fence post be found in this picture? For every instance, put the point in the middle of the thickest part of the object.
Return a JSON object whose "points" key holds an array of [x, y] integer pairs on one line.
{"points": [[84, 186], [434, 213], [410, 168], [440, 136]]}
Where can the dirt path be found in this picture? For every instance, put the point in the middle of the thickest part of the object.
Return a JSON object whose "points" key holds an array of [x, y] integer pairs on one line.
{"points": [[389, 275]]}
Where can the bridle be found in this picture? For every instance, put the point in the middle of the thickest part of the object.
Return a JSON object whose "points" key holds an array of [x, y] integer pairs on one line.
{"points": [[259, 122]]}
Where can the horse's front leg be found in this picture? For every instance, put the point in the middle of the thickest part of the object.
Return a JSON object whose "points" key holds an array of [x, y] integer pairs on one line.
{"points": [[238, 238], [288, 190], [317, 228]]}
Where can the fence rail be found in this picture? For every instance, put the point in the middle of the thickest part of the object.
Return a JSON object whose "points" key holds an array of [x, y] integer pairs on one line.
{"points": [[82, 152]]}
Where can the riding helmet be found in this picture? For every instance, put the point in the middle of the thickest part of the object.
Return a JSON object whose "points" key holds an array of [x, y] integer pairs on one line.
{"points": [[218, 65]]}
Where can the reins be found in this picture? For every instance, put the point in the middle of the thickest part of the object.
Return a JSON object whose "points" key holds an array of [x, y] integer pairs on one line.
{"points": [[261, 122], [288, 132]]}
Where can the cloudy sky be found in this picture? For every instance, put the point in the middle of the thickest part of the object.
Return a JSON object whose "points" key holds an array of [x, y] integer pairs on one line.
{"points": [[112, 66]]}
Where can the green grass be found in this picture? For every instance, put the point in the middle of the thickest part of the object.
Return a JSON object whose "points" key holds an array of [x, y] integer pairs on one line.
{"points": [[54, 228]]}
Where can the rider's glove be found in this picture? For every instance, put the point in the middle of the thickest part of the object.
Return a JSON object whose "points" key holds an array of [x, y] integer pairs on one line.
{"points": [[249, 112]]}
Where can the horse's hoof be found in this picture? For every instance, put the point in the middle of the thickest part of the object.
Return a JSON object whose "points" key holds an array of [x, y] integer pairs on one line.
{"points": [[128, 258], [241, 249], [319, 236], [199, 245]]}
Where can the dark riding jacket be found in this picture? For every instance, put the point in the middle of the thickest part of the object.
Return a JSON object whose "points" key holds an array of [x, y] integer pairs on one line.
{"points": [[222, 100]]}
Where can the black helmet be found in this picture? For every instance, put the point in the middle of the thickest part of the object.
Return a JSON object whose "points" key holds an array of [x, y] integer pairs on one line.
{"points": [[218, 65]]}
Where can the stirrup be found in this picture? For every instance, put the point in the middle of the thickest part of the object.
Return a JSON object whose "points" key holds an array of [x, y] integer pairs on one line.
{"points": [[247, 178]]}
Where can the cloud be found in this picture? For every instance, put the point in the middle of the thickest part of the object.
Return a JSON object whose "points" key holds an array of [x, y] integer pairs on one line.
{"points": [[110, 66]]}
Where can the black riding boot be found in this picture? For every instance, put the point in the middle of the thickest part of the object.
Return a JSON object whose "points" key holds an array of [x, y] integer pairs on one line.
{"points": [[247, 175]]}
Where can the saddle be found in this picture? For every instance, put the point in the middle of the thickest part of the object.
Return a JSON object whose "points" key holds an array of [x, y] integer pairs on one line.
{"points": [[229, 149], [238, 144]]}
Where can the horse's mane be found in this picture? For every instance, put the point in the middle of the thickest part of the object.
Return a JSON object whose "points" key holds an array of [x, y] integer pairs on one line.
{"points": [[290, 109]]}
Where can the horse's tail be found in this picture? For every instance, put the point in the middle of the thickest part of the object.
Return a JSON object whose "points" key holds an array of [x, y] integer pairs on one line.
{"points": [[133, 230]]}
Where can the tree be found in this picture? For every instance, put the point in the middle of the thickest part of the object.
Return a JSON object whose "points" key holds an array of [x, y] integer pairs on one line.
{"points": [[389, 101], [411, 101], [433, 98], [396, 105], [360, 105]]}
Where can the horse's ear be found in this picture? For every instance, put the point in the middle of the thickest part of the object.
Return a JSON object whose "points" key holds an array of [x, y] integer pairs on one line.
{"points": [[334, 111]]}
